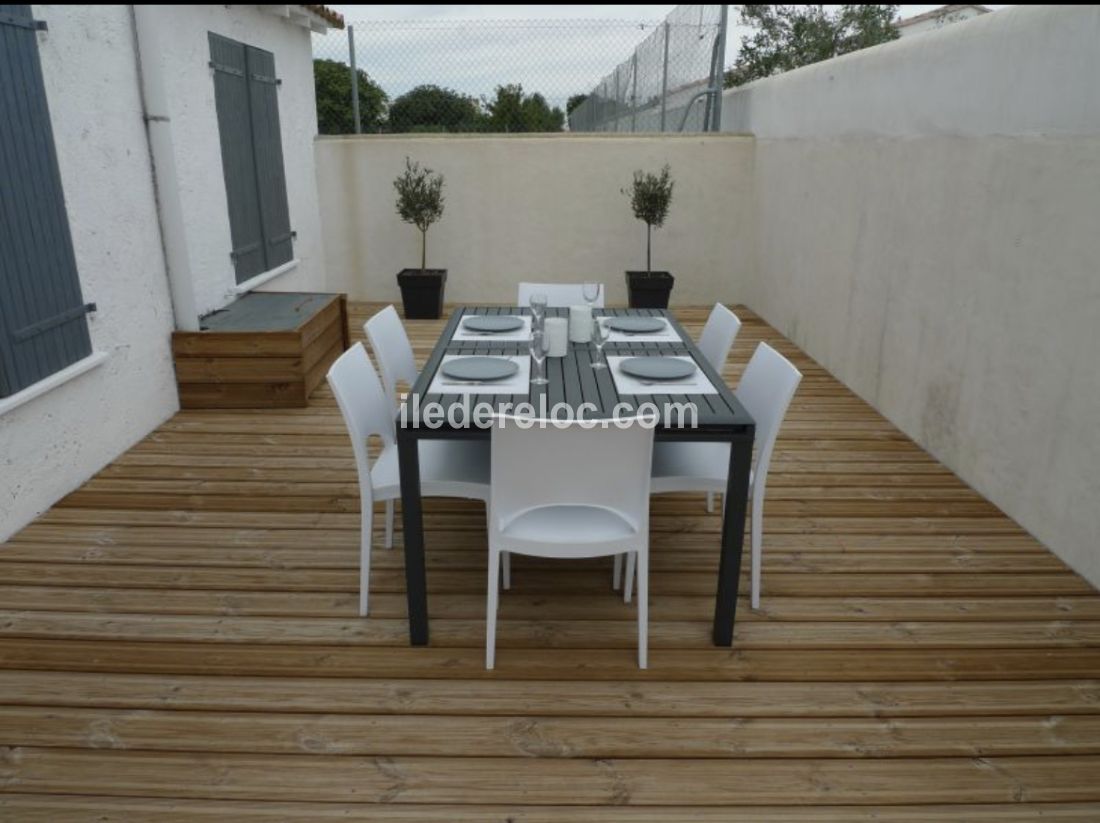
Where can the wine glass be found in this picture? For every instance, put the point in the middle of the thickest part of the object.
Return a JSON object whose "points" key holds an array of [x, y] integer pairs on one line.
{"points": [[599, 338], [591, 292], [538, 302], [538, 358]]}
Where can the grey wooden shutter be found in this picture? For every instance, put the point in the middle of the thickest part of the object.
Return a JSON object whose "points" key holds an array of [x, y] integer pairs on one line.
{"points": [[246, 94], [43, 327], [230, 64], [268, 144]]}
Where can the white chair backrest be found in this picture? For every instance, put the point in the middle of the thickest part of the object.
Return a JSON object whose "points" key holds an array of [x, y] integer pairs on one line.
{"points": [[765, 390], [362, 402], [558, 295], [570, 465], [392, 350], [718, 335]]}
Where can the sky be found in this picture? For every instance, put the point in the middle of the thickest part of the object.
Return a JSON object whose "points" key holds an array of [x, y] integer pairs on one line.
{"points": [[558, 50]]}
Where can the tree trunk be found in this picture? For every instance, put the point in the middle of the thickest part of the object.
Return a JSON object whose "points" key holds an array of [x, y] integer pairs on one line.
{"points": [[423, 251], [648, 242]]}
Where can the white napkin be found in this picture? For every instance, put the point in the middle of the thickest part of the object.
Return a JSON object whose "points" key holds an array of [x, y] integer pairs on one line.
{"points": [[666, 335], [626, 384], [523, 333], [518, 383]]}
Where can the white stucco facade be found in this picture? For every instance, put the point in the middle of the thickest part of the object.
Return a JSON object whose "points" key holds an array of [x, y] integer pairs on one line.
{"points": [[178, 36], [57, 440], [926, 219]]}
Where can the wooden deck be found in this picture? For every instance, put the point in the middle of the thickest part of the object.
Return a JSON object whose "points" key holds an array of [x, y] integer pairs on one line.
{"points": [[179, 641]]}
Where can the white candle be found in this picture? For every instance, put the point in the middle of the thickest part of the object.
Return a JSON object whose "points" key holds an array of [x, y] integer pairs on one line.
{"points": [[556, 336]]}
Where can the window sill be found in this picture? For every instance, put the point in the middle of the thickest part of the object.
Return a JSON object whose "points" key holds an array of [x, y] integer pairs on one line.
{"points": [[52, 382], [260, 279]]}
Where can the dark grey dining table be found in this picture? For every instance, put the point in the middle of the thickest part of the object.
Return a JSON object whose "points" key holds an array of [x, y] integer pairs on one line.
{"points": [[572, 380]]}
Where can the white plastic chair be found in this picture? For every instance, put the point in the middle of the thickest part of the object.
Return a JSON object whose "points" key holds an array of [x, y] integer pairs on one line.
{"points": [[715, 343], [718, 335], [396, 363], [569, 491], [765, 390], [448, 468], [392, 350], [558, 295]]}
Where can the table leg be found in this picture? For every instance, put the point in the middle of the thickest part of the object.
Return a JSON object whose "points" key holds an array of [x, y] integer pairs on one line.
{"points": [[733, 535], [416, 584]]}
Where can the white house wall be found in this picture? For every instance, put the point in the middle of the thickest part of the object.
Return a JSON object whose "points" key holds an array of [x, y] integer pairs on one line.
{"points": [[181, 43], [56, 441]]}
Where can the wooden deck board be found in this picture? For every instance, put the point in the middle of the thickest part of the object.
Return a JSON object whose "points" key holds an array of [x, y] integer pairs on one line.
{"points": [[179, 642]]}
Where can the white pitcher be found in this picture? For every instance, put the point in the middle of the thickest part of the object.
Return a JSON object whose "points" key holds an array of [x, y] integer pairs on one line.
{"points": [[580, 324]]}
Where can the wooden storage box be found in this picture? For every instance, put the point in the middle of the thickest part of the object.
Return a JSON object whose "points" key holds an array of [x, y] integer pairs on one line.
{"points": [[265, 350]]}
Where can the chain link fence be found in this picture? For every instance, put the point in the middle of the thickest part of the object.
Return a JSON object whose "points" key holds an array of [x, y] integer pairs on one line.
{"points": [[671, 82], [465, 76], [523, 75]]}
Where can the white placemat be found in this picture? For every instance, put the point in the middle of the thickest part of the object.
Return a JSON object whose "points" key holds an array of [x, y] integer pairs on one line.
{"points": [[522, 334], [666, 335], [626, 384], [519, 383]]}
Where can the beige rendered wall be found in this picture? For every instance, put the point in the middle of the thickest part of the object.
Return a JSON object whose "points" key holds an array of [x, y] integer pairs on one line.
{"points": [[937, 247], [536, 207]]}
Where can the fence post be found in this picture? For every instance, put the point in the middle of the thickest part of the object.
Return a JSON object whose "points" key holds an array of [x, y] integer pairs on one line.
{"points": [[664, 81], [354, 79], [716, 114], [634, 93], [616, 109]]}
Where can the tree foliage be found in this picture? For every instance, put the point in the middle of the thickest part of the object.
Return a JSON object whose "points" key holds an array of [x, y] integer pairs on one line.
{"points": [[650, 198], [419, 201], [513, 111], [574, 101], [787, 37], [332, 83], [426, 108], [432, 108]]}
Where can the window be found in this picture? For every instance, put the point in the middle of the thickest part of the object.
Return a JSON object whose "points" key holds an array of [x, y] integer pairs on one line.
{"points": [[43, 323], [246, 94]]}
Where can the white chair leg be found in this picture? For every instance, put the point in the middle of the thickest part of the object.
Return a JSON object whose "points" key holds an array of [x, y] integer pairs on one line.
{"points": [[710, 502], [757, 550], [643, 609], [506, 562], [617, 573], [628, 579], [491, 609], [389, 524], [365, 537]]}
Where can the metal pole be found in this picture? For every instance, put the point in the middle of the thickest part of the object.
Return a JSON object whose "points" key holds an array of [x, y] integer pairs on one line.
{"points": [[634, 93], [354, 79], [616, 109], [716, 115], [664, 81]]}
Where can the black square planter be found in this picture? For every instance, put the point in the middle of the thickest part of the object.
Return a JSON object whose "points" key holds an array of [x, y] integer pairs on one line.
{"points": [[649, 290], [422, 293]]}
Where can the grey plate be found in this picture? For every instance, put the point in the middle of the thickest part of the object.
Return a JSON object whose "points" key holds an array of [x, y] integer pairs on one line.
{"points": [[636, 325], [480, 369], [658, 368], [491, 323]]}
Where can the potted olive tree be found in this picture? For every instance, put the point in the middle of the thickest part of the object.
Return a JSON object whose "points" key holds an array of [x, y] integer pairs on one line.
{"points": [[650, 197], [420, 202]]}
